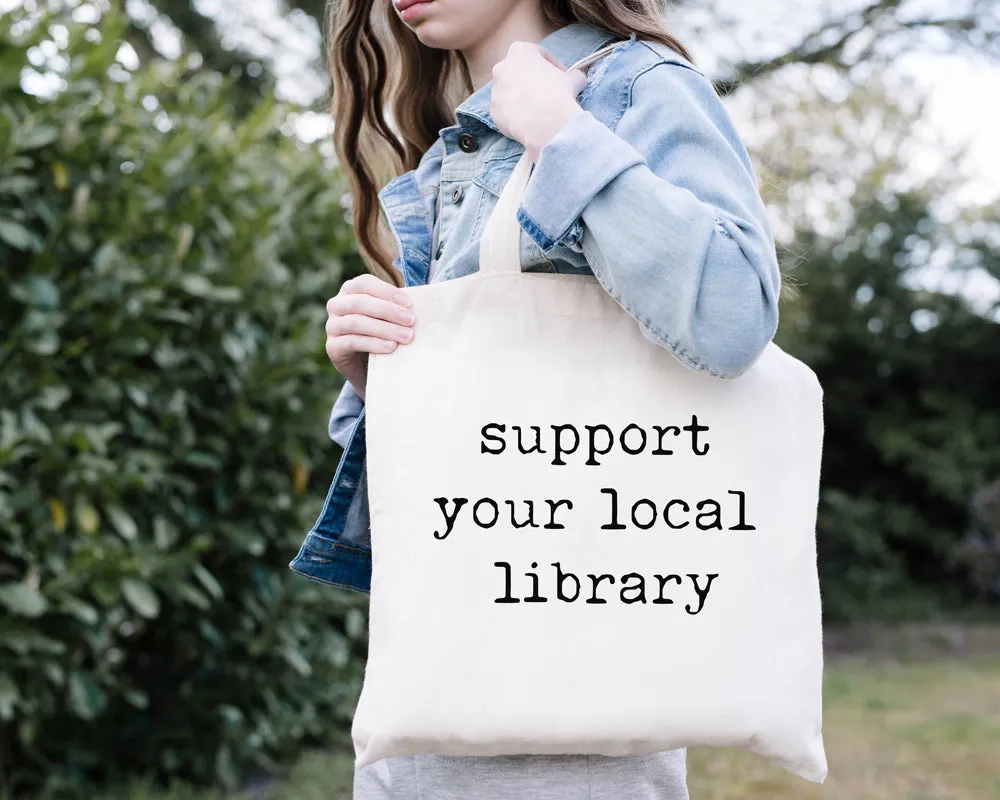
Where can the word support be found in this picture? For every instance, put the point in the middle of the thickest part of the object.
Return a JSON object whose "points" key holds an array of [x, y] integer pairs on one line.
{"points": [[599, 440]]}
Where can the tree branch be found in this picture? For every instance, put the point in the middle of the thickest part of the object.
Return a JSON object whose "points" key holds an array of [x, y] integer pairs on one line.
{"points": [[817, 47]]}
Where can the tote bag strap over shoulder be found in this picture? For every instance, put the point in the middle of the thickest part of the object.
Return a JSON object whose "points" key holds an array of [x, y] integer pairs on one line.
{"points": [[499, 246]]}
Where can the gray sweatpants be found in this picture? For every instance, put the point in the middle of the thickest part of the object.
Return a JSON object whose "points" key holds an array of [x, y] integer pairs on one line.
{"points": [[657, 776]]}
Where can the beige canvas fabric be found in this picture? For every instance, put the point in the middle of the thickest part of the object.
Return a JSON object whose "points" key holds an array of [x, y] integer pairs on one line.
{"points": [[643, 584]]}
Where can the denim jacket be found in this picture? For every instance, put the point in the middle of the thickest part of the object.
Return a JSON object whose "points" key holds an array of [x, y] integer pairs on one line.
{"points": [[650, 190]]}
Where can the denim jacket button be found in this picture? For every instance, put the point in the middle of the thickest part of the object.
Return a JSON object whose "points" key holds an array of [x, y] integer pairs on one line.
{"points": [[440, 250], [456, 193], [467, 143]]}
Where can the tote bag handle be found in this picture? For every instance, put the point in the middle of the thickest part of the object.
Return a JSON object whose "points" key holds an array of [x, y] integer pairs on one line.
{"points": [[500, 244]]}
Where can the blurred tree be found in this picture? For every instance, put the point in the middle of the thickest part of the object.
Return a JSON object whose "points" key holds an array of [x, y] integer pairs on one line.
{"points": [[892, 279], [821, 144], [909, 376], [201, 35]]}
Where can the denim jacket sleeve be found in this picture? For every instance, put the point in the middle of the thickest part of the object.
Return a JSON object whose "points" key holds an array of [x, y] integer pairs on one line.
{"points": [[345, 414], [673, 225]]}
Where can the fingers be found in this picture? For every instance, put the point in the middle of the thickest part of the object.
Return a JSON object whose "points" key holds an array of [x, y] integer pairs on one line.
{"points": [[521, 49], [340, 348], [577, 77], [368, 315], [369, 284], [367, 326], [370, 306]]}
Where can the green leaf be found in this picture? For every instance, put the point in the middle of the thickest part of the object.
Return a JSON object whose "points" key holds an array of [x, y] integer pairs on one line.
{"points": [[202, 459], [207, 579], [19, 237], [86, 698], [225, 770], [9, 696], [38, 291], [197, 285], [9, 432], [23, 642], [355, 624], [54, 673], [227, 294], [20, 598], [196, 598], [137, 699], [44, 343], [87, 517], [232, 716], [211, 634], [296, 660], [18, 184], [122, 522], [107, 257], [35, 137], [141, 597], [164, 533], [84, 612], [52, 397]]}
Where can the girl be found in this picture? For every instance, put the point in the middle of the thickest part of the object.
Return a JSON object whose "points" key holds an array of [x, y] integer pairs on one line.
{"points": [[639, 178]]}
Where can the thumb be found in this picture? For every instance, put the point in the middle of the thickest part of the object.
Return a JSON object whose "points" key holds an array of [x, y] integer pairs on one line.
{"points": [[577, 80], [551, 59], [577, 77]]}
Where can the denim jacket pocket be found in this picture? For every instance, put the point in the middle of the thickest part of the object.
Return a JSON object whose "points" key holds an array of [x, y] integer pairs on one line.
{"points": [[495, 172], [492, 179]]}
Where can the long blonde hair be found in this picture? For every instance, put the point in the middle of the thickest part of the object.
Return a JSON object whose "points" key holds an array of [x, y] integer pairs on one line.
{"points": [[377, 63]]}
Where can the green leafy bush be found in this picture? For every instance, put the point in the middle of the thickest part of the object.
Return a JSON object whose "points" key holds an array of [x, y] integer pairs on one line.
{"points": [[910, 405], [163, 404]]}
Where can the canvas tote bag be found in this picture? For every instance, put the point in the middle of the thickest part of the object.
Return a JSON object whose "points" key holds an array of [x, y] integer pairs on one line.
{"points": [[579, 544]]}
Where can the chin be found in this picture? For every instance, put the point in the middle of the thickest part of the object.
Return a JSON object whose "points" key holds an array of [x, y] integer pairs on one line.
{"points": [[439, 34]]}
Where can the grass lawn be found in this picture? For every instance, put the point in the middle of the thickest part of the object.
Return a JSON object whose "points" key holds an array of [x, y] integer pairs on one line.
{"points": [[894, 731], [923, 731]]}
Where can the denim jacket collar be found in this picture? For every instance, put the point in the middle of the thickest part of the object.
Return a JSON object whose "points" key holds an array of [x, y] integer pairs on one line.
{"points": [[411, 224]]}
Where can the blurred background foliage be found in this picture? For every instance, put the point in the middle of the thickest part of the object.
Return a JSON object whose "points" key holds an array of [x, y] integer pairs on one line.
{"points": [[167, 241], [163, 399]]}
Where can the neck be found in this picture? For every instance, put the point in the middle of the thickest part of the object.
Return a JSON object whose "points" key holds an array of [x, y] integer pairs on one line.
{"points": [[525, 23]]}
